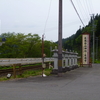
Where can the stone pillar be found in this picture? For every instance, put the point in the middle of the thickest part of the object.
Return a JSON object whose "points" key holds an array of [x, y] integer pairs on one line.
{"points": [[67, 61], [55, 56], [73, 57], [76, 57], [73, 60], [63, 61], [70, 59], [63, 58]]}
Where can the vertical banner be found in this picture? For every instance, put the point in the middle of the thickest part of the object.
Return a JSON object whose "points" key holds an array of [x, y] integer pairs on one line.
{"points": [[85, 49]]}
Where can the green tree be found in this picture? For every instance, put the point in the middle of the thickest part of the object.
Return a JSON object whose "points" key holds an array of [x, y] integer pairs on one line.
{"points": [[19, 45]]}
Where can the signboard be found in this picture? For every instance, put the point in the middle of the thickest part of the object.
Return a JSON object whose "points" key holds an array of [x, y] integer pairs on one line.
{"points": [[85, 49]]}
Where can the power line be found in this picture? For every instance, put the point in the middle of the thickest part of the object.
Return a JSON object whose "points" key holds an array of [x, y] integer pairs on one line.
{"points": [[82, 9], [70, 24], [88, 6], [77, 12], [92, 5], [80, 6], [47, 16]]}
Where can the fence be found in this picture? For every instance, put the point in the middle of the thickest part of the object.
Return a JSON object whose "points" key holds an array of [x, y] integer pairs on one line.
{"points": [[22, 61]]}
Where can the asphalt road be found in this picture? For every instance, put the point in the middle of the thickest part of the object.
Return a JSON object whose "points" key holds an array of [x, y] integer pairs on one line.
{"points": [[78, 84]]}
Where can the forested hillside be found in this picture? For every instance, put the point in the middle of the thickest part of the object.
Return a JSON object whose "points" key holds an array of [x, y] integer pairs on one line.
{"points": [[19, 45], [75, 41]]}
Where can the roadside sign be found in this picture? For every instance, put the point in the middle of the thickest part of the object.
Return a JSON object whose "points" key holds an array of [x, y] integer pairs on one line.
{"points": [[86, 49]]}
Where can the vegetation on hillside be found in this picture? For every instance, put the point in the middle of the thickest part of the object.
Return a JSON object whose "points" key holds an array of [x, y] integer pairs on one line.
{"points": [[74, 42]]}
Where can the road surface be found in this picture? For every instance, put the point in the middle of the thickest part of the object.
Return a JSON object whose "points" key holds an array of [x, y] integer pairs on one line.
{"points": [[79, 84]]}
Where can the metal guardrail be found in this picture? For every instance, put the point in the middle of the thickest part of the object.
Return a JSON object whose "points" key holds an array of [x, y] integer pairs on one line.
{"points": [[23, 61]]}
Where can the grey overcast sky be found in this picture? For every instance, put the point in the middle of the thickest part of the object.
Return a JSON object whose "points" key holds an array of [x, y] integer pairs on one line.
{"points": [[41, 16]]}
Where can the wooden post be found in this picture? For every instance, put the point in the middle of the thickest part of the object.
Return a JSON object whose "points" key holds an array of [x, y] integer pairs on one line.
{"points": [[14, 70], [19, 70]]}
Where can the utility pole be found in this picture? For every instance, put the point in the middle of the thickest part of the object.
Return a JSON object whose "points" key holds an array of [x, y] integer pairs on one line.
{"points": [[93, 38], [42, 45], [42, 54], [60, 39]]}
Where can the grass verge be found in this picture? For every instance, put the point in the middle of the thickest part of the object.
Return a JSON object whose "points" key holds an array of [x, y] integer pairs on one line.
{"points": [[11, 67], [28, 73]]}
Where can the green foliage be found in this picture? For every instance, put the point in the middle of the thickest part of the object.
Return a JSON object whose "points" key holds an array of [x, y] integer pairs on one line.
{"points": [[34, 73], [28, 73], [97, 61], [48, 45], [19, 45], [11, 67]]}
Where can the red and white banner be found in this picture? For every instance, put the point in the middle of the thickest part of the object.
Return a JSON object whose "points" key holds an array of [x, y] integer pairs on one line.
{"points": [[85, 48]]}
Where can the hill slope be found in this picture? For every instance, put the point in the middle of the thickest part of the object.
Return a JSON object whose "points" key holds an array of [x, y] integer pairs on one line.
{"points": [[74, 42]]}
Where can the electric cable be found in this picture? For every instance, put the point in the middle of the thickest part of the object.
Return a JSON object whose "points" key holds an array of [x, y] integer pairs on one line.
{"points": [[88, 6], [91, 5], [47, 16], [82, 11], [77, 12], [82, 8]]}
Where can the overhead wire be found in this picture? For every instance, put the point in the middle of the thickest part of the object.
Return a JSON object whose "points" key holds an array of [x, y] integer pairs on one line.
{"points": [[77, 12], [85, 6], [81, 7], [47, 16], [85, 2], [82, 11], [91, 3], [90, 6], [68, 24]]}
